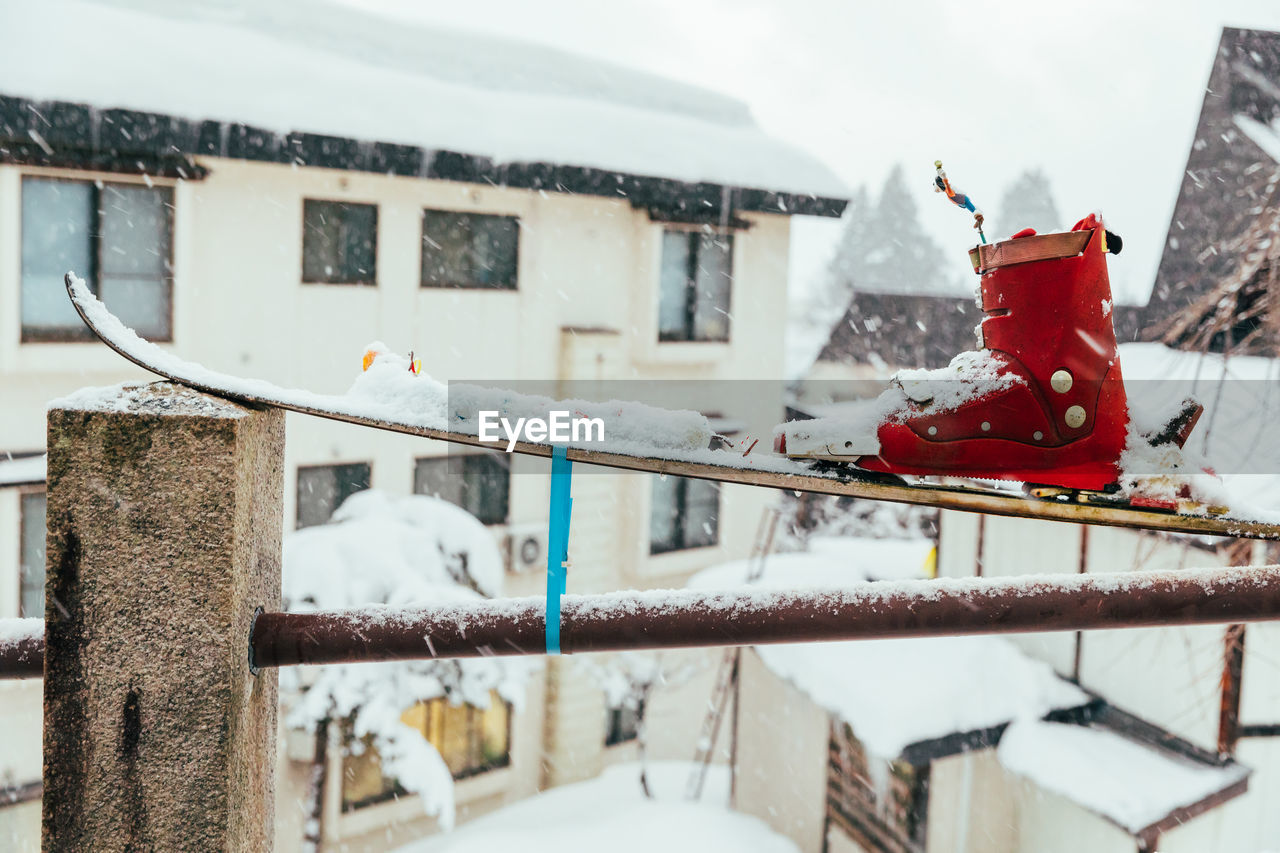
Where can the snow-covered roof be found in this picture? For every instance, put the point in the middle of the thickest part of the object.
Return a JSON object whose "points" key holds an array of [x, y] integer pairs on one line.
{"points": [[830, 561], [311, 66], [21, 471], [1134, 785], [900, 692], [612, 813]]}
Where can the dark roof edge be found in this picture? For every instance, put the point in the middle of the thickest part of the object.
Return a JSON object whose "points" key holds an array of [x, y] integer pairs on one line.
{"points": [[1099, 712], [61, 133], [922, 752], [1140, 731]]}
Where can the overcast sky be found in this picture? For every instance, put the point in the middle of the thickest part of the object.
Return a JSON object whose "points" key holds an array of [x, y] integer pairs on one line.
{"points": [[1102, 95]]}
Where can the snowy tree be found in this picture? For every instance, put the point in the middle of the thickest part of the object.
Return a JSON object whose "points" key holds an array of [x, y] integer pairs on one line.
{"points": [[845, 269], [629, 680], [398, 552], [1028, 203], [884, 248]]}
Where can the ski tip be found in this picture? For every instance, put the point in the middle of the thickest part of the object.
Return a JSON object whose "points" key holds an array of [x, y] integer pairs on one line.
{"points": [[81, 296]]}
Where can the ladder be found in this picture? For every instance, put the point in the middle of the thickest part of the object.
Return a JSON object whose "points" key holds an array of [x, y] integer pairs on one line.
{"points": [[726, 680]]}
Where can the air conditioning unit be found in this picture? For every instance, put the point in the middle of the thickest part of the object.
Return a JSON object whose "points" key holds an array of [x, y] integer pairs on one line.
{"points": [[526, 547]]}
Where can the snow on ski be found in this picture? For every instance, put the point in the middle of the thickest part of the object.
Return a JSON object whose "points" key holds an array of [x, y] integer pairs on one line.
{"points": [[677, 458]]}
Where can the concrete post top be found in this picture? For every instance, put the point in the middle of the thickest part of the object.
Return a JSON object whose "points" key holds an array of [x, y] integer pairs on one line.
{"points": [[160, 399]]}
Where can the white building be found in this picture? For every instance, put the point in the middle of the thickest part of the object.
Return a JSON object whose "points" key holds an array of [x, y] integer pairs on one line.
{"points": [[267, 199]]}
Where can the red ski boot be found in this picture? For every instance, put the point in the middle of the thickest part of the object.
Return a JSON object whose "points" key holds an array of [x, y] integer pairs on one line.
{"points": [[1043, 402]]}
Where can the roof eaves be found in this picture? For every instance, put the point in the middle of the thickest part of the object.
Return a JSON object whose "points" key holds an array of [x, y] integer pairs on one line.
{"points": [[1150, 735], [922, 752], [61, 133]]}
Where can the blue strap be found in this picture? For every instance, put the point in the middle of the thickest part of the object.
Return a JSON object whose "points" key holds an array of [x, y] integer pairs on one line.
{"points": [[558, 543]]}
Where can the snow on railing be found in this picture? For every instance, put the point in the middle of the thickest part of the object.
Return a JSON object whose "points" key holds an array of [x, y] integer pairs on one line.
{"points": [[659, 619]]}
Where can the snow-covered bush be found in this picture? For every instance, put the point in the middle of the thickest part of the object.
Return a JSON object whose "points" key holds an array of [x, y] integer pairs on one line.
{"points": [[395, 551]]}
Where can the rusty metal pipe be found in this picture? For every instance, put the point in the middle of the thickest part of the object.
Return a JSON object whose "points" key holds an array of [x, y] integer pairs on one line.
{"points": [[687, 618], [21, 648]]}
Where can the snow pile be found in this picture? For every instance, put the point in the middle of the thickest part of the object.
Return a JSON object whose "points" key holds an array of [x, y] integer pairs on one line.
{"points": [[1129, 783], [969, 377], [315, 67], [389, 387], [1238, 435], [408, 550], [856, 426], [877, 559], [141, 398], [831, 561], [956, 684], [611, 813], [951, 684], [397, 552], [17, 472], [1170, 473]]}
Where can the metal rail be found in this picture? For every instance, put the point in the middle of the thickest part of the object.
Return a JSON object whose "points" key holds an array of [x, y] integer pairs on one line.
{"points": [[665, 619], [22, 657], [688, 618]]}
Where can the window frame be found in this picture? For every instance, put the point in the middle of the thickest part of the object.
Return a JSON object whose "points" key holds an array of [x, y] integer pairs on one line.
{"points": [[23, 492], [394, 791], [97, 182], [694, 234], [449, 458], [682, 500], [615, 732], [297, 488], [423, 284], [372, 280]]}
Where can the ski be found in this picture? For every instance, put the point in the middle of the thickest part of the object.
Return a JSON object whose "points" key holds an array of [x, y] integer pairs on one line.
{"points": [[729, 466]]}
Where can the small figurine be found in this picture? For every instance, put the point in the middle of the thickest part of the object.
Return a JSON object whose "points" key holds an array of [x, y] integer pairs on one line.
{"points": [[957, 197]]}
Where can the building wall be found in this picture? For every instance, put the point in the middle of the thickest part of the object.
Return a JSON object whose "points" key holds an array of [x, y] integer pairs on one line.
{"points": [[971, 805], [1168, 676], [20, 827], [782, 756], [20, 760], [1050, 823], [585, 264]]}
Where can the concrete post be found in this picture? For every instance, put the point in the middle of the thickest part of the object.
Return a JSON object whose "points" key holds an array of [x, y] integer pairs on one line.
{"points": [[164, 522]]}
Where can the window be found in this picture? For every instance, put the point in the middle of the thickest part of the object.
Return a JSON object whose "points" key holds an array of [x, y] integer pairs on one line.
{"points": [[323, 488], [696, 283], [31, 559], [479, 483], [469, 250], [117, 237], [339, 243], [683, 514], [471, 741], [622, 725]]}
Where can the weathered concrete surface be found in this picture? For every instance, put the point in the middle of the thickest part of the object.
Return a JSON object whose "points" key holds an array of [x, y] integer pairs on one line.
{"points": [[164, 523]]}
